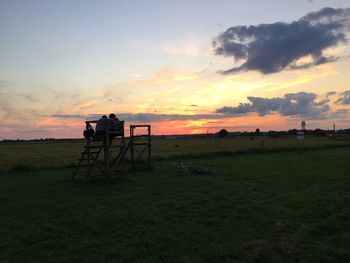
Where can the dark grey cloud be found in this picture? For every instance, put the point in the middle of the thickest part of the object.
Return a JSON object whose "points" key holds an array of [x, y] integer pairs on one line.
{"points": [[242, 108], [293, 104], [270, 48], [330, 93], [345, 98]]}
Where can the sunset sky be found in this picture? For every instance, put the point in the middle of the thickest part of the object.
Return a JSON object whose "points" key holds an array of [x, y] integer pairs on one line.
{"points": [[182, 66]]}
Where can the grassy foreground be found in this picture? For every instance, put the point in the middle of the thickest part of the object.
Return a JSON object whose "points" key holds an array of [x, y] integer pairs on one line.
{"points": [[275, 207]]}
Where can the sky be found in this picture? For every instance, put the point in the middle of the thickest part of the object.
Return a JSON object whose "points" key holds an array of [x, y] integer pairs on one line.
{"points": [[181, 66]]}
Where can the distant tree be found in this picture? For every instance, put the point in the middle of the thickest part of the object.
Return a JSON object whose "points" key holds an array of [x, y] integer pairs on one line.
{"points": [[293, 132], [223, 133], [257, 132], [320, 133]]}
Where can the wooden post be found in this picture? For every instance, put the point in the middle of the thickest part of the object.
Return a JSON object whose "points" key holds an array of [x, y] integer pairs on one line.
{"points": [[149, 146], [132, 145], [122, 142], [106, 151], [88, 150]]}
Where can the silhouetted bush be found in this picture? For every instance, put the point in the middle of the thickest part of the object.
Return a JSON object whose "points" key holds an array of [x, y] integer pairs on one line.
{"points": [[223, 133]]}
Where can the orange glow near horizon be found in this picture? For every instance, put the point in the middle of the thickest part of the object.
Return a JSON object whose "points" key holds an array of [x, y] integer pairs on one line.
{"points": [[172, 91], [73, 128]]}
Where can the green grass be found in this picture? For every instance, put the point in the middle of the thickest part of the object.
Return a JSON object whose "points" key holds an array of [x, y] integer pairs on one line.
{"points": [[28, 155], [272, 207]]}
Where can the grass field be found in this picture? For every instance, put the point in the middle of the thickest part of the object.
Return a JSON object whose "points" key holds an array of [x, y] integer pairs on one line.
{"points": [[286, 206], [59, 154]]}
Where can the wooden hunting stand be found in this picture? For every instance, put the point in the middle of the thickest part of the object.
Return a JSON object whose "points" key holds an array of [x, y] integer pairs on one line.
{"points": [[104, 157], [112, 162]]}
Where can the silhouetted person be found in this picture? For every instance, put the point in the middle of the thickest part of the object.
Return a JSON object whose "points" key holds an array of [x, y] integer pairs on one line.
{"points": [[113, 126], [89, 132], [113, 117], [101, 127]]}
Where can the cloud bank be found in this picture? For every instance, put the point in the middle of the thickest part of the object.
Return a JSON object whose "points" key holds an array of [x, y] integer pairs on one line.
{"points": [[300, 104], [270, 48]]}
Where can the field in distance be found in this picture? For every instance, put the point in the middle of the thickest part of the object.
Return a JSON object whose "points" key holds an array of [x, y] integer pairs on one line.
{"points": [[59, 154]]}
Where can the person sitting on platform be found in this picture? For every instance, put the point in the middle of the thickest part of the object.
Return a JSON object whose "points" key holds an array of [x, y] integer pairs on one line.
{"points": [[113, 126], [113, 117], [89, 133], [101, 126]]}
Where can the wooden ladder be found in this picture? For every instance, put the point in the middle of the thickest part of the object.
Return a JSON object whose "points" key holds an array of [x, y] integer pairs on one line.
{"points": [[88, 160]]}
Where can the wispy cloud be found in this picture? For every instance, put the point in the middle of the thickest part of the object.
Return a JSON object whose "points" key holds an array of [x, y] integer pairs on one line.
{"points": [[188, 47], [172, 74], [35, 131], [144, 117], [3, 87]]}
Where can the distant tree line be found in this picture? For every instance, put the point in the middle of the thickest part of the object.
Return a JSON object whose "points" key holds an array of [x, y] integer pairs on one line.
{"points": [[221, 134], [43, 140], [290, 133]]}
